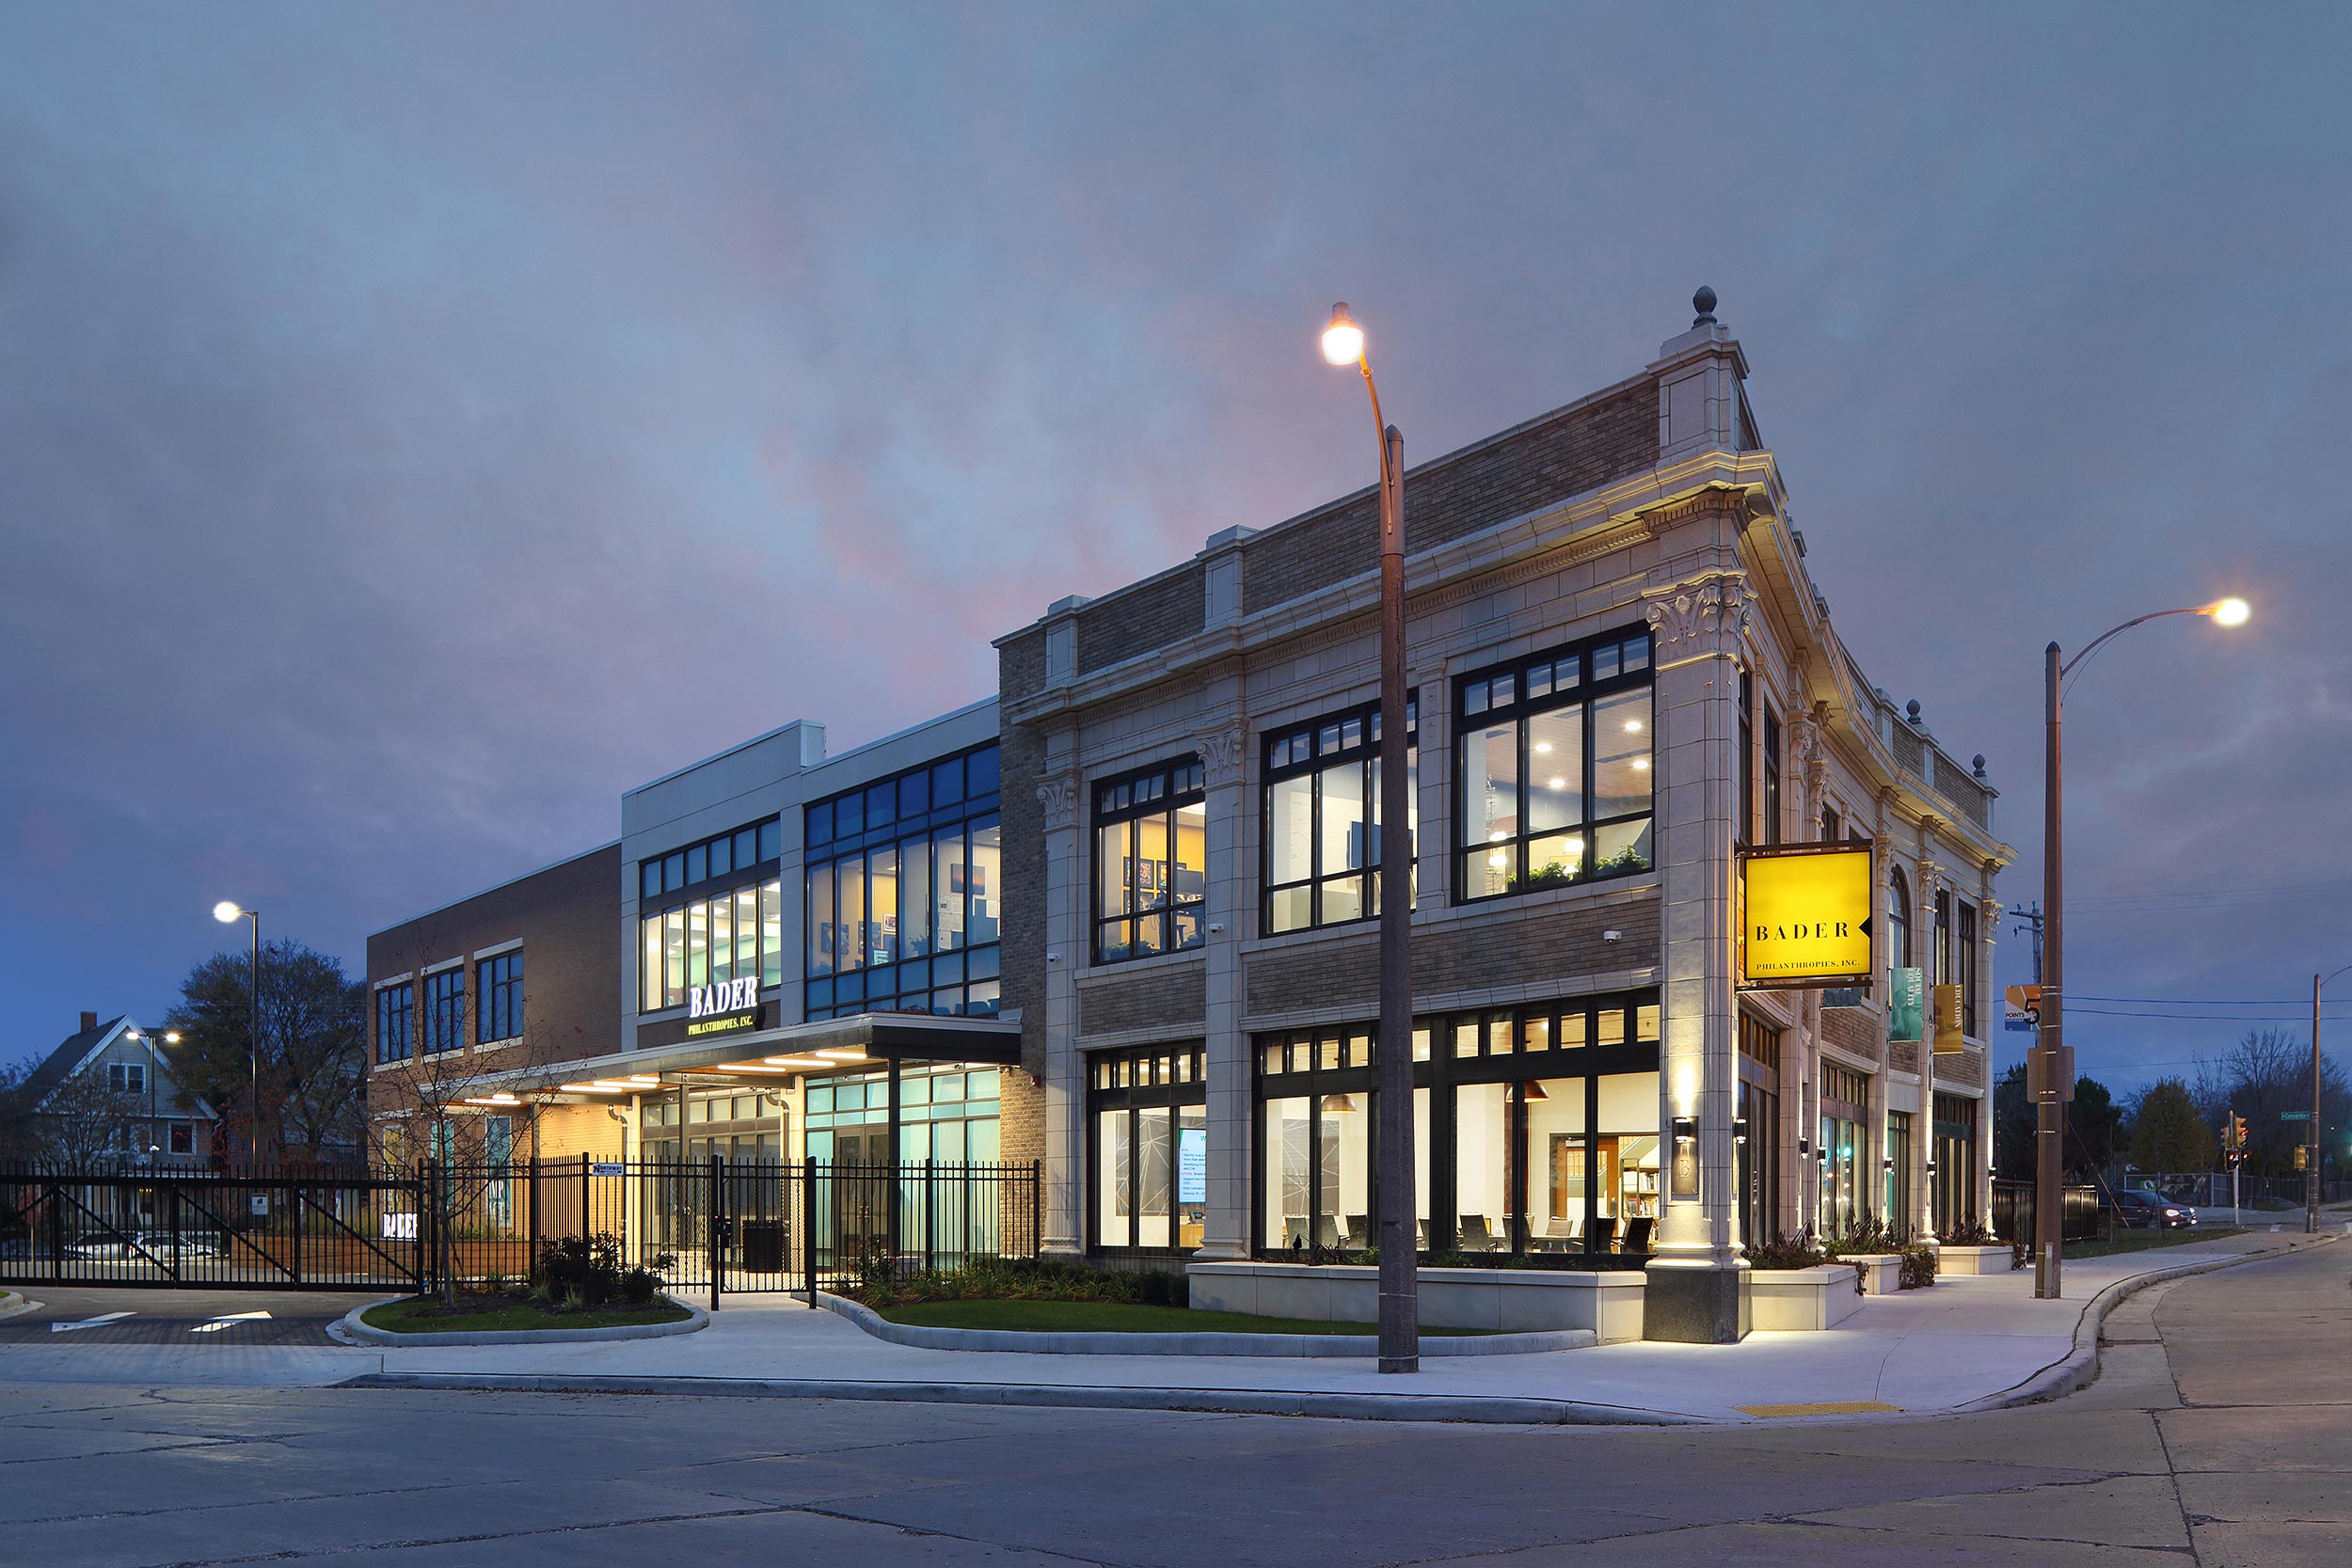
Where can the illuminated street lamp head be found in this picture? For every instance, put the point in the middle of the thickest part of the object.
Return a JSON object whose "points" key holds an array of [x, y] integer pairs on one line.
{"points": [[1342, 341], [225, 911], [2231, 611]]}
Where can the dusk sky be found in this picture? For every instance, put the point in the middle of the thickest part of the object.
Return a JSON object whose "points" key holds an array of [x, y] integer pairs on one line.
{"points": [[415, 419]]}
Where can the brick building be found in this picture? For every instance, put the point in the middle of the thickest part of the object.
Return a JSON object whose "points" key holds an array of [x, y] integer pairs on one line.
{"points": [[1622, 677]]}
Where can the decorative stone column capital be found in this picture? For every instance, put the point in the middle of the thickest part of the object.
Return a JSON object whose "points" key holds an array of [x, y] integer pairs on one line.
{"points": [[1059, 794], [1223, 751], [1705, 618]]}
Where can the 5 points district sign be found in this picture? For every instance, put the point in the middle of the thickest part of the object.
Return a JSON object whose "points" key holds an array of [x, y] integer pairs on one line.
{"points": [[1806, 917]]}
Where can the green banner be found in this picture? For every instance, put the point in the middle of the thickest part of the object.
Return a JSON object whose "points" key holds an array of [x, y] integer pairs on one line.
{"points": [[1906, 1005]]}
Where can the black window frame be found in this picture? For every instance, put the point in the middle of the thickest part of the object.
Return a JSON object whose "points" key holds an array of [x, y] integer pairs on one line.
{"points": [[1161, 790], [1172, 1077], [674, 876], [1943, 936], [1439, 1068], [959, 793], [1308, 750], [499, 984], [1589, 691], [1770, 803], [444, 1012], [1899, 919], [396, 1017], [1966, 936], [1745, 835]]}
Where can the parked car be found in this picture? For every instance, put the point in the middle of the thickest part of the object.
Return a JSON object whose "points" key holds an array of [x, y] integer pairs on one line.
{"points": [[153, 1244], [2134, 1206]]}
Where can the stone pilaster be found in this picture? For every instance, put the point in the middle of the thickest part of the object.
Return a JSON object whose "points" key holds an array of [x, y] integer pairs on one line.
{"points": [[1922, 1216], [1698, 628], [1059, 795], [1224, 755]]}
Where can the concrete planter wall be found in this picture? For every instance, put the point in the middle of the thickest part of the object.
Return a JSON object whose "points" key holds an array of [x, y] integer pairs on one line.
{"points": [[1881, 1272], [1952, 1261], [1608, 1302], [1800, 1300]]}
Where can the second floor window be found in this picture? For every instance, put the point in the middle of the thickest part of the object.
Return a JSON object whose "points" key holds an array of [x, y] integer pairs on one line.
{"points": [[1556, 769], [127, 1077], [1968, 970], [501, 1004], [1150, 862], [395, 1012], [1770, 832], [1322, 825], [444, 1011]]}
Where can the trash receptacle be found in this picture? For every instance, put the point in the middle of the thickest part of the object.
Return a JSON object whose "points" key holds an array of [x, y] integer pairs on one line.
{"points": [[763, 1246]]}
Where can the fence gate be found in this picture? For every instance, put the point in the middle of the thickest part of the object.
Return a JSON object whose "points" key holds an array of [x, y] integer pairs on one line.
{"points": [[209, 1230], [713, 1226]]}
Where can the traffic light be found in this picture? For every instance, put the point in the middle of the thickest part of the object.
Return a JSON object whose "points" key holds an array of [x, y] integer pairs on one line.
{"points": [[2303, 1157], [2241, 1130]]}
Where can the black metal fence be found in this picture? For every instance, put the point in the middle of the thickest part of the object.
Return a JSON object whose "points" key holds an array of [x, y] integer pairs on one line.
{"points": [[706, 1227], [717, 1226], [2013, 1212], [315, 1230]]}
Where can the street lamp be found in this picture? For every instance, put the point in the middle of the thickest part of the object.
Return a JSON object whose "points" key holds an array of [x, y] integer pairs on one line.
{"points": [[2055, 1082], [171, 1037], [226, 912], [2312, 1183], [1399, 1304]]}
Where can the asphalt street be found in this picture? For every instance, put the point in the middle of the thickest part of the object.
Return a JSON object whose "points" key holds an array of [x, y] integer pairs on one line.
{"points": [[2220, 1432], [79, 1315]]}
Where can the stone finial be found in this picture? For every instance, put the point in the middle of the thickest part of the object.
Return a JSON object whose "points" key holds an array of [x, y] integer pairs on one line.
{"points": [[1978, 763], [1704, 303], [1911, 710]]}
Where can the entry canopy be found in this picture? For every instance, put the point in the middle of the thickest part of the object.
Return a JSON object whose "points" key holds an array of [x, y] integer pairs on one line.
{"points": [[865, 1038], [1806, 917]]}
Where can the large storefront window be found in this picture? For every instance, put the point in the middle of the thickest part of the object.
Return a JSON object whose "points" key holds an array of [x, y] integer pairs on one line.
{"points": [[905, 893], [710, 914], [1954, 1182], [1535, 1131], [1149, 1150], [1898, 1167], [1845, 1148], [1150, 862], [1556, 769], [1758, 1154], [1322, 823]]}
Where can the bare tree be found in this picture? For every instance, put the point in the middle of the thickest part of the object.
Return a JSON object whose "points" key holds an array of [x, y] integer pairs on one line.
{"points": [[82, 1125], [2264, 1074]]}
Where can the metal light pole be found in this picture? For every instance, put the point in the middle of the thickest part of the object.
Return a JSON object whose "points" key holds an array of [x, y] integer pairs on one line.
{"points": [[1400, 1301], [2055, 1083], [225, 912], [171, 1037], [2311, 1182]]}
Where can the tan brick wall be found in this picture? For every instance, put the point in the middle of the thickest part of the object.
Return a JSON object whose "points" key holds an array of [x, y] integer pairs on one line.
{"points": [[1022, 1107], [1857, 1033], [1174, 998], [1965, 1069], [1536, 949], [567, 1132], [1904, 1056], [1140, 619], [1023, 976]]}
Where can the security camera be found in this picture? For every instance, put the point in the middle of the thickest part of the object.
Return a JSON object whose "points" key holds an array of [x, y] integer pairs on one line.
{"points": [[1214, 929], [1612, 936]]}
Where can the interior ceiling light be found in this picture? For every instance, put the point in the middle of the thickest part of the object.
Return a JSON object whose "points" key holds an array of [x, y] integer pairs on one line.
{"points": [[844, 1054], [796, 1061], [1559, 784]]}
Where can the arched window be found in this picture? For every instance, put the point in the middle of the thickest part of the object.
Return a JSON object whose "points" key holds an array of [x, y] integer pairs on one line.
{"points": [[1899, 920]]}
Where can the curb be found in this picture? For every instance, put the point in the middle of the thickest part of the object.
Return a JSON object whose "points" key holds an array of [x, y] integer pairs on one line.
{"points": [[1363, 1347], [2078, 1367], [1225, 1401], [14, 1305], [349, 1330]]}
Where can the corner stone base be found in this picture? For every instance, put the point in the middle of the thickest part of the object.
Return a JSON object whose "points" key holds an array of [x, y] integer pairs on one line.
{"points": [[1693, 1306]]}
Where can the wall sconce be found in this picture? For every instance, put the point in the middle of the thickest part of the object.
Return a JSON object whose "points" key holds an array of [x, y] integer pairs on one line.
{"points": [[1804, 1148], [1739, 1129], [1685, 1128], [1930, 1167], [1888, 1165], [1686, 1158]]}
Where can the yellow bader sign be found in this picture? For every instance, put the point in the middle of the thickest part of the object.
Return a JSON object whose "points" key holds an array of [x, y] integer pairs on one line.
{"points": [[1806, 917]]}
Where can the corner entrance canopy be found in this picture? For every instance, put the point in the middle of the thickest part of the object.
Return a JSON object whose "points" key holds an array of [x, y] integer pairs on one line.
{"points": [[890, 1037]]}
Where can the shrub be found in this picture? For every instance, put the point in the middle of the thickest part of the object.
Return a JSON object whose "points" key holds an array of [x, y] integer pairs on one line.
{"points": [[639, 1285], [1918, 1269], [580, 1270], [1970, 1231], [1786, 1252]]}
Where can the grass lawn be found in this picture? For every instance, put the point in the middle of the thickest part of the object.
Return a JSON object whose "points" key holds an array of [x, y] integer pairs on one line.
{"points": [[416, 1315], [2142, 1241], [1115, 1317]]}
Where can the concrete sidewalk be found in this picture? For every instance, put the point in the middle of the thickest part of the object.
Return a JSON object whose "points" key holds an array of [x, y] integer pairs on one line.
{"points": [[1963, 1342]]}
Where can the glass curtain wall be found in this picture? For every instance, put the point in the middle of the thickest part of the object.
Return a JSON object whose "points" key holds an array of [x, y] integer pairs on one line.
{"points": [[710, 914], [905, 890], [1149, 1150]]}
